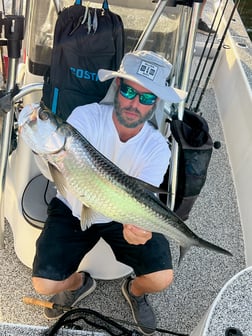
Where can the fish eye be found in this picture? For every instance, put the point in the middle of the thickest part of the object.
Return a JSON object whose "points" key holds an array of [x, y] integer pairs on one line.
{"points": [[43, 115]]}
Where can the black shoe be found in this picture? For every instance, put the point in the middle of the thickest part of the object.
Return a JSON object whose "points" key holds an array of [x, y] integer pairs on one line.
{"points": [[142, 311], [70, 298], [204, 29]]}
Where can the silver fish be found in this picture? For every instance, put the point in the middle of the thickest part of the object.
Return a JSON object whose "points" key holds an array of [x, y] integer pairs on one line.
{"points": [[99, 184]]}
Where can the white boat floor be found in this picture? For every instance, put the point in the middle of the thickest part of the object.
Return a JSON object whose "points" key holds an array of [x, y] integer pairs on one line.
{"points": [[198, 279]]}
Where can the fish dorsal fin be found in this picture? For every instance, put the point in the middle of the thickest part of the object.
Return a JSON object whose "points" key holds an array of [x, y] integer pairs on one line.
{"points": [[58, 179], [150, 187], [86, 217]]}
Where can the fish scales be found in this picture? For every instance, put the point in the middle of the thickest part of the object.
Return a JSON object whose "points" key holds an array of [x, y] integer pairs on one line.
{"points": [[102, 186], [107, 189]]}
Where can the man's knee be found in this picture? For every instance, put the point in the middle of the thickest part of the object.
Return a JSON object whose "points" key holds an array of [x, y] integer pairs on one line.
{"points": [[160, 280], [165, 278]]}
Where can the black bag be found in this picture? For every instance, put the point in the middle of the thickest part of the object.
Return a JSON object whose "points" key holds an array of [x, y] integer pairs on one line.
{"points": [[195, 150], [85, 40]]}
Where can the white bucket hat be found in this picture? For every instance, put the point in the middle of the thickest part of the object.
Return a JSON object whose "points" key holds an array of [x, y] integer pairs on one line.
{"points": [[149, 70]]}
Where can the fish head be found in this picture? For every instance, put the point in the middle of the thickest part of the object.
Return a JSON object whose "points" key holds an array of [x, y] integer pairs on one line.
{"points": [[40, 129]]}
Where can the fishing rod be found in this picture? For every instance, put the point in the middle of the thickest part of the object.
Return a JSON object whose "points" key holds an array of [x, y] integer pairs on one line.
{"points": [[91, 317], [216, 55], [203, 52]]}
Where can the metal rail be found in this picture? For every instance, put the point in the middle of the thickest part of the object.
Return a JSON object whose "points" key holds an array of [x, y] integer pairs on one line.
{"points": [[172, 183], [5, 143], [151, 24], [6, 137], [14, 30]]}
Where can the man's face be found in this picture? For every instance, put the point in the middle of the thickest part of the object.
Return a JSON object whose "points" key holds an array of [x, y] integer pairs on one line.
{"points": [[129, 111]]}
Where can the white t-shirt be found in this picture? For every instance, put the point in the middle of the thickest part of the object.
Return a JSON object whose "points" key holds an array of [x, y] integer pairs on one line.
{"points": [[145, 156]]}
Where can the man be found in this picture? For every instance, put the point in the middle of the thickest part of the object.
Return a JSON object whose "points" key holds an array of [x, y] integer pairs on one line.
{"points": [[121, 132], [202, 26]]}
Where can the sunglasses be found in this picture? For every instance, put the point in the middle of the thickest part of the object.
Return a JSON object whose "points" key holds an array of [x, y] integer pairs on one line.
{"points": [[146, 98]]}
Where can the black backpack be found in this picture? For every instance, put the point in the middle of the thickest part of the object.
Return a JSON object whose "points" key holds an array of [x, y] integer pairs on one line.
{"points": [[85, 40]]}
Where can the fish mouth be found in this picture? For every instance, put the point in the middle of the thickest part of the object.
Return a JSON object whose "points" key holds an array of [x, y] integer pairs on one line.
{"points": [[28, 114], [37, 128]]}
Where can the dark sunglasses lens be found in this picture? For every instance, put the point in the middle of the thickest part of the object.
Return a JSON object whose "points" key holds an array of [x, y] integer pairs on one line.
{"points": [[127, 91], [130, 93], [147, 98]]}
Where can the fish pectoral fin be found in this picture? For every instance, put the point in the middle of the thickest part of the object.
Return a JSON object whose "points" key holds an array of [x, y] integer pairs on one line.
{"points": [[58, 179], [86, 217], [150, 187], [182, 253]]}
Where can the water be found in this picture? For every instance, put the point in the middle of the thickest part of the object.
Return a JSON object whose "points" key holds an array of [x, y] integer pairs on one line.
{"points": [[245, 11]]}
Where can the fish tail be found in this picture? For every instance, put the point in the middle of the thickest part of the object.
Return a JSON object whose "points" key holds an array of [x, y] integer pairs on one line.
{"points": [[213, 247], [205, 244]]}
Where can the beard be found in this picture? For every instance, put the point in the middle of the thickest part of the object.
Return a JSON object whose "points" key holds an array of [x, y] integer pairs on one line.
{"points": [[127, 123]]}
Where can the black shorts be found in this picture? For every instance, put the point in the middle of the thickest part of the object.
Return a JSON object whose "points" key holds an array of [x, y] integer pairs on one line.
{"points": [[62, 245]]}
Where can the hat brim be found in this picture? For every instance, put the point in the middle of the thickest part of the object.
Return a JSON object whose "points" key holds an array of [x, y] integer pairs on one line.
{"points": [[166, 93]]}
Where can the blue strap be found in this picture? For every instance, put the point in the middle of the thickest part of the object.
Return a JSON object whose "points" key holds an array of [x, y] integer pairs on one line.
{"points": [[105, 4], [55, 100], [78, 2]]}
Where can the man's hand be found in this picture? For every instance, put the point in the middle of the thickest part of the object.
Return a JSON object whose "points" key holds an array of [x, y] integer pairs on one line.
{"points": [[135, 235]]}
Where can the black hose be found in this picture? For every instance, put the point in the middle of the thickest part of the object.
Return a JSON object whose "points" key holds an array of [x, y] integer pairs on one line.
{"points": [[97, 320]]}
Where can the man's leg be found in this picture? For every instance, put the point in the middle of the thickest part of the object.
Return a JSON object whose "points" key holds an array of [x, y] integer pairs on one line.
{"points": [[59, 251], [68, 292], [50, 287], [135, 292], [202, 26], [151, 283], [152, 265]]}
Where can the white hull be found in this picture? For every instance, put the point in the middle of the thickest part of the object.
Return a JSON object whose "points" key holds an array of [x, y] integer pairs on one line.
{"points": [[234, 99]]}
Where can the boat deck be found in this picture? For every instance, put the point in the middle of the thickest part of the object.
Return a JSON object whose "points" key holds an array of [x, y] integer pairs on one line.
{"points": [[199, 278]]}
